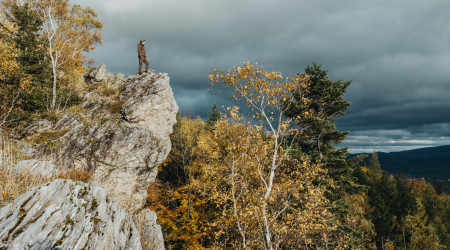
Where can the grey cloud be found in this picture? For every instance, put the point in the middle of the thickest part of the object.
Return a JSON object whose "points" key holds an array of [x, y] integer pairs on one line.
{"points": [[392, 140], [396, 53]]}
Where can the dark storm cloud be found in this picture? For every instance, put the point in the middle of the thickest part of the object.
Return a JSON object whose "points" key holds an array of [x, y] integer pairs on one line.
{"points": [[397, 54]]}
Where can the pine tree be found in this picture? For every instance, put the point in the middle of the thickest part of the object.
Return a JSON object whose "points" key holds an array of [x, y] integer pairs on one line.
{"points": [[405, 201], [325, 99], [382, 196], [422, 234], [31, 58], [375, 162], [320, 137], [213, 116], [32, 51]]}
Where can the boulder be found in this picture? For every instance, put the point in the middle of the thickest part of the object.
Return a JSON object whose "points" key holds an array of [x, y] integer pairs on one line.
{"points": [[64, 214], [96, 74]]}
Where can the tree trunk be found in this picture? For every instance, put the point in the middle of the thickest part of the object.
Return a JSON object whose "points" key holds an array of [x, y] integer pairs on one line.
{"points": [[53, 106]]}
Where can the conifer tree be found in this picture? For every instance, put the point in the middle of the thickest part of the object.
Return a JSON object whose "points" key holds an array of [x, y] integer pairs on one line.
{"points": [[422, 234], [31, 58], [326, 99], [405, 201], [382, 197], [320, 136], [213, 115], [68, 30], [32, 51], [375, 162]]}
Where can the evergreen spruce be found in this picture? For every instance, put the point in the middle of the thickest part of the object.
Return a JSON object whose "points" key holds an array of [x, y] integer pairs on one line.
{"points": [[32, 59], [320, 137], [213, 116]]}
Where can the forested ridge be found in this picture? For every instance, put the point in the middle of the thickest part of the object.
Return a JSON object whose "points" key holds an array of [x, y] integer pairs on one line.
{"points": [[430, 163], [272, 177]]}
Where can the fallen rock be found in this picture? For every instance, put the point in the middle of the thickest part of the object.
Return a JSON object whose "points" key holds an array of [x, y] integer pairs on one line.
{"points": [[64, 214]]}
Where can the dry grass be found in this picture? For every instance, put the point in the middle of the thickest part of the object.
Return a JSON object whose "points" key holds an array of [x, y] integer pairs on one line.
{"points": [[104, 89], [12, 185], [115, 107], [74, 174], [48, 135]]}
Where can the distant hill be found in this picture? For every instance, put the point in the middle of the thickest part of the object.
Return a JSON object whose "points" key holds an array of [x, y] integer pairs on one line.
{"points": [[430, 163]]}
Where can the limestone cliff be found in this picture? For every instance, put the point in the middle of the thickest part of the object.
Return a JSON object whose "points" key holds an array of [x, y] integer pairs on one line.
{"points": [[120, 133], [120, 138]]}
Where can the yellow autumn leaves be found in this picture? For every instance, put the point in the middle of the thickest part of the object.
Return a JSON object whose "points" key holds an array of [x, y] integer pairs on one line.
{"points": [[272, 199], [8, 63], [235, 182]]}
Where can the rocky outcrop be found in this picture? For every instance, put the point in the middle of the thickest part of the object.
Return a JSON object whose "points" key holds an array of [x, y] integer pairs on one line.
{"points": [[149, 103], [64, 214], [150, 231], [114, 79], [99, 73], [120, 141], [37, 126], [38, 169], [120, 133], [96, 74]]}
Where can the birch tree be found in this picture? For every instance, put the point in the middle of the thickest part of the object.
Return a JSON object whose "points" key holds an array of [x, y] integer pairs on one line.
{"points": [[277, 212], [70, 30]]}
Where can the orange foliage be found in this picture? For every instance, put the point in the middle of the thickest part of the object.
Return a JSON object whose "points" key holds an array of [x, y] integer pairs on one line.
{"points": [[12, 82], [181, 213]]}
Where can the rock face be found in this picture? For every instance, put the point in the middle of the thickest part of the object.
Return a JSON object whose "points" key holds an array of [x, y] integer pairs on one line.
{"points": [[151, 234], [114, 78], [37, 127], [36, 168], [149, 103], [66, 215], [120, 141]]}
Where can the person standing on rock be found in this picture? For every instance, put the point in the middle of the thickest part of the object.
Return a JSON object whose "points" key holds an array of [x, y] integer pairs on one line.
{"points": [[142, 57]]}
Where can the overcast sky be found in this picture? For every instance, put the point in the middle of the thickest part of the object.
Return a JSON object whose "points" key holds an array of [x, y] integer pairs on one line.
{"points": [[396, 52]]}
